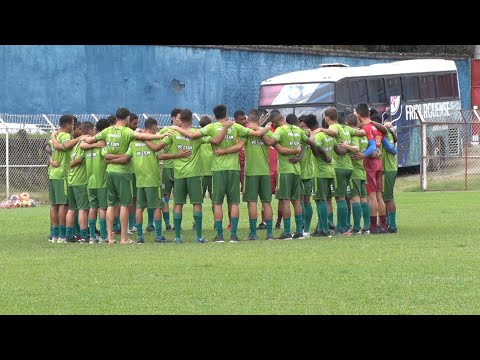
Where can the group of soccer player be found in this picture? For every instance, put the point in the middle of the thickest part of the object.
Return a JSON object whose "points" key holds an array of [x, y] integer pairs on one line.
{"points": [[112, 169]]}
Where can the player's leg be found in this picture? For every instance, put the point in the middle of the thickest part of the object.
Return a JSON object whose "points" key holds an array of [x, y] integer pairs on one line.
{"points": [[179, 198], [219, 187], [265, 194], [124, 186], [233, 199], [250, 196], [195, 194]]}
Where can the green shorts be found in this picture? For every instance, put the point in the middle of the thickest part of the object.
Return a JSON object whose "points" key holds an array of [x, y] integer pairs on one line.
{"points": [[306, 187], [342, 180], [257, 186], [191, 186], [97, 198], [388, 183], [167, 181], [119, 189], [226, 182], [207, 185], [149, 197], [57, 191], [288, 187], [134, 185], [357, 188], [323, 188], [78, 197]]}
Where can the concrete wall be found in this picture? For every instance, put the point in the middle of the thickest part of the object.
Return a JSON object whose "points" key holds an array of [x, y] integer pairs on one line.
{"points": [[151, 79]]}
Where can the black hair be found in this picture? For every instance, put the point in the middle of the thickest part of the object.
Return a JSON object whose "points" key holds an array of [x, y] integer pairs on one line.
{"points": [[352, 120], [292, 119], [149, 122], [205, 120], [220, 111], [186, 116], [102, 124], [362, 110], [311, 121], [66, 119], [87, 126], [112, 120], [122, 113], [238, 113]]}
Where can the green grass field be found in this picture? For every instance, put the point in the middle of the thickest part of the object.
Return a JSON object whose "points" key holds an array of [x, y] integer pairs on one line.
{"points": [[429, 267]]}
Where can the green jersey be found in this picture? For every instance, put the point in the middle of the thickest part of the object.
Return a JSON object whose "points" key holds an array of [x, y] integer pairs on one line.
{"points": [[289, 136], [190, 166], [144, 164], [118, 139], [256, 156], [344, 135], [358, 169], [306, 163], [77, 175], [389, 160], [168, 164], [96, 168], [61, 156], [234, 133], [206, 157], [323, 169]]}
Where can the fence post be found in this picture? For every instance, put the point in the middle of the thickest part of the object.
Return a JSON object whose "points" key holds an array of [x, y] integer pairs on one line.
{"points": [[423, 141], [93, 115], [48, 120], [7, 160], [465, 148]]}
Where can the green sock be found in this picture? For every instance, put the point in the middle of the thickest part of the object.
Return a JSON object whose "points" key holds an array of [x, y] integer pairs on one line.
{"points": [[303, 213], [69, 232], [91, 227], [116, 223], [366, 215], [298, 224], [308, 216], [349, 218], [234, 226], [219, 227], [342, 214], [323, 216], [177, 222], [166, 217], [269, 227], [62, 232], [357, 215], [103, 228], [131, 220], [54, 231], [139, 231], [286, 226], [76, 225], [197, 216], [84, 234], [253, 226], [158, 228], [330, 217], [392, 220], [150, 216]]}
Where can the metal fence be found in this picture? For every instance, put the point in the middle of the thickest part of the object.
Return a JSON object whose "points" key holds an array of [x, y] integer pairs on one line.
{"points": [[450, 151], [23, 160]]}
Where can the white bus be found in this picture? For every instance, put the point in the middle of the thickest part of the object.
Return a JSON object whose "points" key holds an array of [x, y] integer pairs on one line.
{"points": [[429, 85]]}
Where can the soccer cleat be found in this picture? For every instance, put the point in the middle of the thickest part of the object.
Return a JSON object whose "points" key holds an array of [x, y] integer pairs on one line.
{"points": [[270, 237], [140, 241], [298, 236], [316, 233], [262, 226], [357, 232], [382, 231], [133, 230], [93, 241], [284, 236], [150, 228], [329, 235], [84, 241], [392, 230], [161, 240], [252, 237], [168, 227], [178, 241], [53, 240], [306, 235], [331, 226], [97, 232], [201, 241], [374, 231], [234, 239], [218, 239], [365, 232], [102, 241], [278, 226]]}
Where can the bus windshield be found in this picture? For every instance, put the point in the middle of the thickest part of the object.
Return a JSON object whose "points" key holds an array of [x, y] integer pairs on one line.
{"points": [[307, 93]]}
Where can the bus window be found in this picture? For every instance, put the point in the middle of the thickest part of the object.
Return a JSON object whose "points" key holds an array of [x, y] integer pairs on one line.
{"points": [[305, 93], [343, 92], [455, 85], [359, 91], [393, 87], [317, 111], [444, 86], [376, 91], [411, 88], [427, 87]]}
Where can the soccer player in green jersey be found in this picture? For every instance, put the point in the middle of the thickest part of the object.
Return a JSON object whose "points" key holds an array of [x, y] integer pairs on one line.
{"points": [[77, 188], [389, 175], [186, 171], [97, 185], [167, 171], [342, 162], [119, 177], [225, 168], [288, 186], [358, 189], [58, 175], [132, 124]]}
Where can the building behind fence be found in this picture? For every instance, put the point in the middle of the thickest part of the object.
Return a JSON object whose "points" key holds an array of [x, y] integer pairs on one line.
{"points": [[23, 159]]}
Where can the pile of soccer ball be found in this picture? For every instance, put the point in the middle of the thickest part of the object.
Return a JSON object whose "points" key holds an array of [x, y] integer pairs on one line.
{"points": [[16, 201]]}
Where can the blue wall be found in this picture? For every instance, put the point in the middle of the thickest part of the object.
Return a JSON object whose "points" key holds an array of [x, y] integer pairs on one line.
{"points": [[98, 79]]}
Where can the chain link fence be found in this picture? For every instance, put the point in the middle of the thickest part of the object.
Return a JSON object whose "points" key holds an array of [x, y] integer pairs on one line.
{"points": [[23, 159], [450, 151]]}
